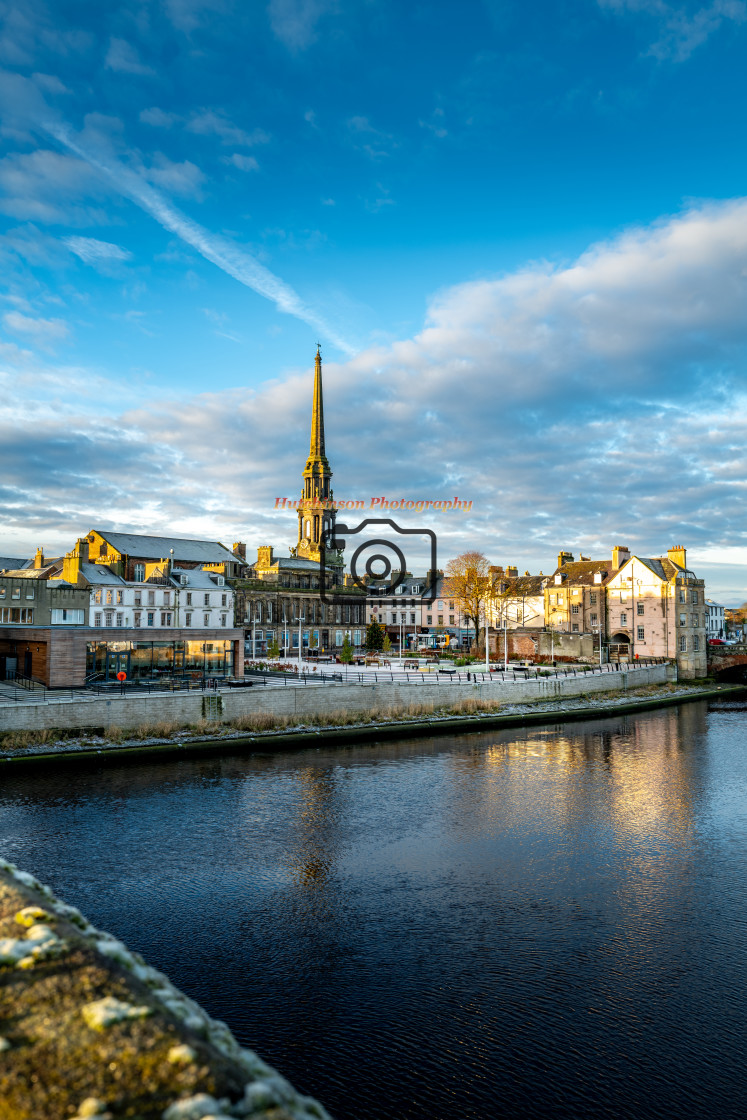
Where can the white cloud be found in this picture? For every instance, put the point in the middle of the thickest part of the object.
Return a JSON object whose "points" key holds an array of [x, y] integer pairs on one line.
{"points": [[44, 332], [210, 123], [244, 163], [96, 252], [685, 27], [123, 58], [183, 178], [294, 21], [158, 118]]}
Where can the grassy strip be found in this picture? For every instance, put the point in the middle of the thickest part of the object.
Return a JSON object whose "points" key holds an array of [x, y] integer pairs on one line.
{"points": [[273, 733]]}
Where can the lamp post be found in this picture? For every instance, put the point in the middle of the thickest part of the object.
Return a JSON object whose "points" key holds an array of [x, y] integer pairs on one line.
{"points": [[301, 620], [505, 640], [487, 643]]}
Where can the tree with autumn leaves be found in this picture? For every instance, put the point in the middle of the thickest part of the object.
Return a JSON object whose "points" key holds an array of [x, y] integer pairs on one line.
{"points": [[467, 579]]}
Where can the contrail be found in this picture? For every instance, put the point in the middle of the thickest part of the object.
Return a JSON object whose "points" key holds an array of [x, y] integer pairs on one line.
{"points": [[214, 248]]}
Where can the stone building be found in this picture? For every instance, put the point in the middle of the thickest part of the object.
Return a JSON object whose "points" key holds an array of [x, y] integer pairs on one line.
{"points": [[283, 600], [656, 607], [575, 594], [518, 602]]}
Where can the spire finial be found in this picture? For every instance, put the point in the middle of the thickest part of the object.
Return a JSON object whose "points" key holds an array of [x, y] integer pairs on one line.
{"points": [[317, 416]]}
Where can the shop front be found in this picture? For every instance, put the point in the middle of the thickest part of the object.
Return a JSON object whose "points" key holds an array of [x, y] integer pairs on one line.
{"points": [[148, 661]]}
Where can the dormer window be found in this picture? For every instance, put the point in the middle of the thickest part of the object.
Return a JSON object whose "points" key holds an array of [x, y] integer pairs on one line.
{"points": [[558, 578]]}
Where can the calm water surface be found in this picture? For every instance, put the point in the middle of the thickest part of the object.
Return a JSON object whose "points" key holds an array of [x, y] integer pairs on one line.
{"points": [[544, 923]]}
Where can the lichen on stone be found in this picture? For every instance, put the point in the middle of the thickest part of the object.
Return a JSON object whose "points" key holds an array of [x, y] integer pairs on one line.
{"points": [[93, 1109], [103, 1013], [199, 1107], [182, 1054], [39, 943], [31, 914], [4, 1044]]}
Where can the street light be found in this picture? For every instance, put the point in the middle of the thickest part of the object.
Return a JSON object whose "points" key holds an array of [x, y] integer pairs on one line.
{"points": [[301, 620]]}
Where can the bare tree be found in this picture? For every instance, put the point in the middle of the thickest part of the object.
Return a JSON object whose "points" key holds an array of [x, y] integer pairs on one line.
{"points": [[468, 580]]}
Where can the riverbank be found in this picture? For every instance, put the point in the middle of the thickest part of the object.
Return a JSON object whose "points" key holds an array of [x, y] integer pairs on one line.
{"points": [[345, 728], [88, 1029]]}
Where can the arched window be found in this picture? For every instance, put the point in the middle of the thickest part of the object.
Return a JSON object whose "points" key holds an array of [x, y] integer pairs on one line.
{"points": [[308, 528]]}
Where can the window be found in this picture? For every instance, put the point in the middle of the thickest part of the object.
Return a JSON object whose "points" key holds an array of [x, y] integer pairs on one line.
{"points": [[696, 642], [451, 619], [167, 598], [120, 618], [440, 605], [440, 620], [574, 608], [151, 598], [593, 619], [65, 614], [451, 606], [683, 644], [189, 598], [120, 598], [138, 618], [16, 593], [29, 591], [139, 573], [593, 598], [683, 620], [682, 595], [165, 618], [560, 598], [694, 596], [641, 634], [623, 618], [640, 608], [206, 620], [429, 620], [151, 618], [188, 618], [138, 598], [97, 596], [223, 620], [574, 628], [108, 618], [223, 600], [97, 619], [2, 592], [110, 596], [207, 600], [412, 617]]}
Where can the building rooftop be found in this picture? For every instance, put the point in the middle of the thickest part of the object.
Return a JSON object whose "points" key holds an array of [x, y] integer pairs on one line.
{"points": [[12, 562], [159, 548]]}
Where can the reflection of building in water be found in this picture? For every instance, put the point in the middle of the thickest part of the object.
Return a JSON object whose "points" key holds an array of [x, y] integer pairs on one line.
{"points": [[316, 827], [635, 776]]}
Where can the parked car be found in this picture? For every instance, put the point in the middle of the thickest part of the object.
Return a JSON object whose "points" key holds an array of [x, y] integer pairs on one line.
{"points": [[716, 642]]}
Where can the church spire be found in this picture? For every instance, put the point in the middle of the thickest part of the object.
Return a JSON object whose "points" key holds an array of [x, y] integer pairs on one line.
{"points": [[316, 447]]}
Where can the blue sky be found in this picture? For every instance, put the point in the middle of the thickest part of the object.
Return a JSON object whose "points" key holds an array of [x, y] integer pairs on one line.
{"points": [[519, 233]]}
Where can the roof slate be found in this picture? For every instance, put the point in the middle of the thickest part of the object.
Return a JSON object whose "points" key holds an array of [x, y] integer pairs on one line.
{"points": [[159, 548], [12, 562]]}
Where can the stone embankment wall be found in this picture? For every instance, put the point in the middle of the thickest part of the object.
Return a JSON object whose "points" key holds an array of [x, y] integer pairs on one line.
{"points": [[88, 1029], [134, 710]]}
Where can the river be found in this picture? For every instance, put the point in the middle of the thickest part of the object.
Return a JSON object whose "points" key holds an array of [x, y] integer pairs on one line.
{"points": [[537, 923]]}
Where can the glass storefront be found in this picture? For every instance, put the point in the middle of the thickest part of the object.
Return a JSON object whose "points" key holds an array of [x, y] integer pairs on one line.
{"points": [[155, 660]]}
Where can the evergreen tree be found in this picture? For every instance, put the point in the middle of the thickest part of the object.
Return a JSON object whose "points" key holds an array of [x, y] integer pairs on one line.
{"points": [[346, 653], [374, 636], [386, 645], [273, 650]]}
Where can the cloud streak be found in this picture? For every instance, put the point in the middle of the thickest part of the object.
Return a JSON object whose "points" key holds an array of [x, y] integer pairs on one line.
{"points": [[214, 248]]}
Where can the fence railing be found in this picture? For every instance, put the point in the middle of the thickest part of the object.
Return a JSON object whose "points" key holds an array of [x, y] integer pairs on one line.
{"points": [[12, 691]]}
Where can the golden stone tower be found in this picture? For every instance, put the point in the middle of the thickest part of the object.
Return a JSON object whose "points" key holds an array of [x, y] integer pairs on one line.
{"points": [[315, 513]]}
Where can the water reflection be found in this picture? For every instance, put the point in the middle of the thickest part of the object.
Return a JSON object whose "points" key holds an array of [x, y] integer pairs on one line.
{"points": [[538, 923]]}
